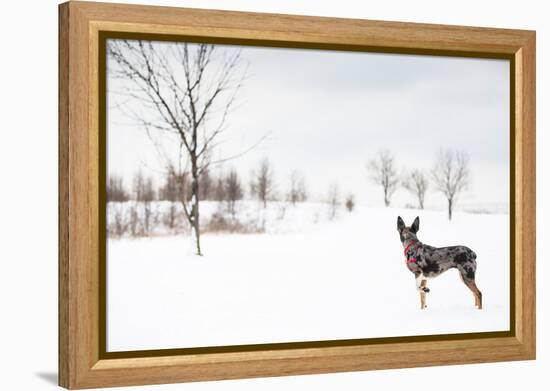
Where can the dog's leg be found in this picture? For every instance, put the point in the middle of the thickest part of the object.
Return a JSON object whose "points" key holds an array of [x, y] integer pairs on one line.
{"points": [[477, 293], [471, 284], [423, 294], [421, 287]]}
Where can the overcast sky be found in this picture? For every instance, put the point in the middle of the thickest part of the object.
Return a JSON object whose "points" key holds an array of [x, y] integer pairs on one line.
{"points": [[327, 113]]}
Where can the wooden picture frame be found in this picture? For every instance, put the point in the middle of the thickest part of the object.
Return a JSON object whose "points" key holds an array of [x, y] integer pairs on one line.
{"points": [[83, 362]]}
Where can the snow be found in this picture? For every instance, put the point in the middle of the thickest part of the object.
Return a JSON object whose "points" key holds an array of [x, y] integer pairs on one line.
{"points": [[305, 279]]}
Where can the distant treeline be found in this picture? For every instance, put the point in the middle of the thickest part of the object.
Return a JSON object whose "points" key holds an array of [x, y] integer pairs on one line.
{"points": [[449, 176], [226, 187]]}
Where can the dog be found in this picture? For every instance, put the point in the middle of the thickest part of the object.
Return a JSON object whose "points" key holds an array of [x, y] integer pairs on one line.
{"points": [[428, 262]]}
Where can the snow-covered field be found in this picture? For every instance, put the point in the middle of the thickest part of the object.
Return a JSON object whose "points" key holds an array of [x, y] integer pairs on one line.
{"points": [[305, 279]]}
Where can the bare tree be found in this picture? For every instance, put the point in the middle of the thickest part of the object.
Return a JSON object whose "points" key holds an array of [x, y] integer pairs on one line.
{"points": [[138, 185], [451, 176], [170, 216], [416, 182], [184, 90], [206, 185], [262, 183], [297, 191], [219, 189], [383, 172], [350, 202], [169, 192], [115, 189], [134, 222], [144, 193], [333, 200], [169, 189], [117, 224], [116, 194], [233, 190]]}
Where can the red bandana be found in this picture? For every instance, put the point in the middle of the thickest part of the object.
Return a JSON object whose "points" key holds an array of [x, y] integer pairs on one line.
{"points": [[412, 260]]}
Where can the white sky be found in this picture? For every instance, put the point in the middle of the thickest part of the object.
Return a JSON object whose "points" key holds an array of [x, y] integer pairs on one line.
{"points": [[327, 113]]}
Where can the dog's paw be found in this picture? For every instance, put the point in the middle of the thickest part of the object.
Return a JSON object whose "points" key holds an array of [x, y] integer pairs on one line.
{"points": [[425, 289]]}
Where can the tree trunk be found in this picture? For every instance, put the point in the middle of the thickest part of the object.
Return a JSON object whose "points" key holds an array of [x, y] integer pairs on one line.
{"points": [[386, 198], [450, 209]]}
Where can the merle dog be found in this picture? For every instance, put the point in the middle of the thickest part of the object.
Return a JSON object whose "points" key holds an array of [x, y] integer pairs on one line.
{"points": [[428, 262]]}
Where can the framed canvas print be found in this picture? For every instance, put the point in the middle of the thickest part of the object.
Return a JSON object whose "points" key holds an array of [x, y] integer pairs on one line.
{"points": [[248, 195]]}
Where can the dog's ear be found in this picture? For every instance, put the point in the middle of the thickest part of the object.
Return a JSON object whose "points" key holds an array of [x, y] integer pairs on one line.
{"points": [[400, 224], [416, 225]]}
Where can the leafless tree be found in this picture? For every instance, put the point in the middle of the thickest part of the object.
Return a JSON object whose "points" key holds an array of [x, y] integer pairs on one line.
{"points": [[416, 182], [206, 185], [262, 183], [115, 189], [219, 189], [333, 200], [383, 172], [350, 202], [184, 90], [117, 222], [116, 194], [297, 191], [233, 190], [169, 192], [170, 216], [133, 223], [144, 194], [451, 176], [169, 189]]}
